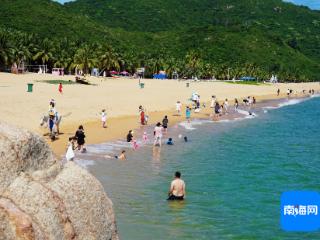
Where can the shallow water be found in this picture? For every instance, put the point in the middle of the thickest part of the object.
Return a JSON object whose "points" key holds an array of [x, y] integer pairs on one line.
{"points": [[235, 172]]}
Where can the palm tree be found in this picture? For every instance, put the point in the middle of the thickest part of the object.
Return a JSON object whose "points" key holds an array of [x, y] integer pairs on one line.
{"points": [[84, 59], [5, 48], [193, 62], [44, 51]]}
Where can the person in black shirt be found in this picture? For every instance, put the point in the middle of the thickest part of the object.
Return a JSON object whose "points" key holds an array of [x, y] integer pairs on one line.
{"points": [[80, 136], [165, 122], [129, 136]]}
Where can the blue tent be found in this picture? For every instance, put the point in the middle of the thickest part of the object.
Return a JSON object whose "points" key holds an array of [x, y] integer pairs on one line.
{"points": [[159, 76]]}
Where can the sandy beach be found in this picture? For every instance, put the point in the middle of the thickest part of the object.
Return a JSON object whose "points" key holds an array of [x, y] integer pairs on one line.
{"points": [[121, 97]]}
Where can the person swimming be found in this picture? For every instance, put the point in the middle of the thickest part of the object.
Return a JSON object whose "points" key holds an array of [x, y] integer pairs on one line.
{"points": [[122, 156], [177, 188], [170, 141]]}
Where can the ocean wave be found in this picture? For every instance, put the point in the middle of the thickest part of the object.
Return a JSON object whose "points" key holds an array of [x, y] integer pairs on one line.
{"points": [[291, 102], [187, 125], [84, 163], [315, 95], [270, 107], [247, 113]]}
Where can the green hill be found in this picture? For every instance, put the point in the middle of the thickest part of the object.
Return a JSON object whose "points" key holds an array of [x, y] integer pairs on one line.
{"points": [[194, 37]]}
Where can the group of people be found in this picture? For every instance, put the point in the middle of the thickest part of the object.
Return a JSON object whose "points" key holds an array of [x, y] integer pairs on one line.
{"points": [[79, 139]]}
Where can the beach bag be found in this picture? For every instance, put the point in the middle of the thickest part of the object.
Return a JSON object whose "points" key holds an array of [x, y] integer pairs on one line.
{"points": [[70, 153]]}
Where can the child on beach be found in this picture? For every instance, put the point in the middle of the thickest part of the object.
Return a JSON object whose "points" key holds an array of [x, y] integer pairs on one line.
{"points": [[178, 108], [170, 141], [103, 118], [60, 88], [70, 153], [165, 122], [145, 137], [188, 114], [135, 145]]}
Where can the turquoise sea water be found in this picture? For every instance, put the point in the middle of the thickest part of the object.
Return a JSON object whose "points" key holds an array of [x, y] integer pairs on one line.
{"points": [[235, 173]]}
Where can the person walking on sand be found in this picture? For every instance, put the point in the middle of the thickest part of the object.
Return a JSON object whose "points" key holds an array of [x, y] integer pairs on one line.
{"points": [[60, 88], [278, 92], [165, 122], [103, 118], [188, 114], [177, 189], [157, 135], [80, 136], [213, 101], [178, 108]]}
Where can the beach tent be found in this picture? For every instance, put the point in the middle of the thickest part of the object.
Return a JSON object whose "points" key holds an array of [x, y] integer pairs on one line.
{"points": [[160, 76], [247, 79]]}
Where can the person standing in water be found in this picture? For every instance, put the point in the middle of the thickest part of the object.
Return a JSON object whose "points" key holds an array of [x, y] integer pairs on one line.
{"points": [[165, 122], [226, 106], [236, 104], [130, 136], [177, 188], [158, 135], [188, 114]]}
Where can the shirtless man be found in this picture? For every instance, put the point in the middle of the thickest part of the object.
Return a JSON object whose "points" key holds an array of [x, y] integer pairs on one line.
{"points": [[177, 189]]}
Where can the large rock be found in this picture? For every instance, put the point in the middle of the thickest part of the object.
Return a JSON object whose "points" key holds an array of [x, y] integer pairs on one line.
{"points": [[40, 198]]}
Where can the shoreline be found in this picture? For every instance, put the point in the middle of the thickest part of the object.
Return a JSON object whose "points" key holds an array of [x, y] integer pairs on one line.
{"points": [[118, 127]]}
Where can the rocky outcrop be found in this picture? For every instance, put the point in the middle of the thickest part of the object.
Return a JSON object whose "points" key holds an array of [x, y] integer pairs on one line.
{"points": [[42, 199]]}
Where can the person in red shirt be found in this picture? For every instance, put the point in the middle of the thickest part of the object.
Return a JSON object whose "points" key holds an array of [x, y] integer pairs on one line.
{"points": [[142, 118], [60, 88]]}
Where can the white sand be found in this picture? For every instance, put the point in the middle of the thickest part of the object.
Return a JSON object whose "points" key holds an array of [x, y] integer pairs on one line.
{"points": [[120, 97]]}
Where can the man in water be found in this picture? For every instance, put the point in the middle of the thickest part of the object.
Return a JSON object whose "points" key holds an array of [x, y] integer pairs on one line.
{"points": [[177, 189]]}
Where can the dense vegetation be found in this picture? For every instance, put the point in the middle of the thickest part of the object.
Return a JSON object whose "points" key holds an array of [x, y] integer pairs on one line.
{"points": [[203, 38]]}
